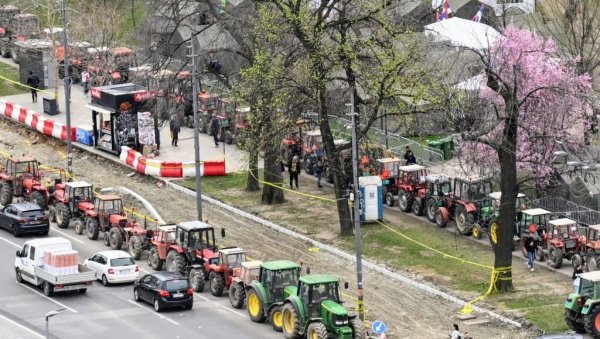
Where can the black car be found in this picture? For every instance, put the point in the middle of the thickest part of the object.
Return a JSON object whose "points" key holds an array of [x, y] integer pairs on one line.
{"points": [[24, 218], [164, 290]]}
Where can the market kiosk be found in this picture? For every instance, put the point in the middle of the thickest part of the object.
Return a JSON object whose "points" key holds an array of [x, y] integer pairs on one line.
{"points": [[121, 117]]}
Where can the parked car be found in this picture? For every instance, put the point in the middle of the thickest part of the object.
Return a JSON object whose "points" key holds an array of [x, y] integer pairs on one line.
{"points": [[24, 217], [113, 267], [164, 290]]}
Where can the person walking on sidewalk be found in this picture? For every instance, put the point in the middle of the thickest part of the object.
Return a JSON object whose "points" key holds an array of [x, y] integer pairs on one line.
{"points": [[85, 82], [34, 82], [530, 246], [294, 171], [175, 129], [319, 171], [215, 126]]}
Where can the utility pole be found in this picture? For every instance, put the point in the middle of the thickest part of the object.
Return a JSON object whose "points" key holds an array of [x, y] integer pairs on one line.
{"points": [[196, 127], [357, 230], [67, 85]]}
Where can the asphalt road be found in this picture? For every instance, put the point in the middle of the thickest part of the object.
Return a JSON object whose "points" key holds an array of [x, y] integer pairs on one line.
{"points": [[110, 312]]}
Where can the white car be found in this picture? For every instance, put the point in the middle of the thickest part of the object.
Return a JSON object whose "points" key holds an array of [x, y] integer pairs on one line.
{"points": [[113, 267]]}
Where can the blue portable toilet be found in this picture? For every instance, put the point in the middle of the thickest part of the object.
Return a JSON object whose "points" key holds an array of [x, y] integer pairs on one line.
{"points": [[371, 198]]}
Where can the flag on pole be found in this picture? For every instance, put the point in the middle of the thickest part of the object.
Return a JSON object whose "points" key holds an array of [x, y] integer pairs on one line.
{"points": [[446, 11], [477, 17]]}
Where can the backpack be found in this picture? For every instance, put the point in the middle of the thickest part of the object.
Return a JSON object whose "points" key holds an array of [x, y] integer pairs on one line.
{"points": [[35, 81]]}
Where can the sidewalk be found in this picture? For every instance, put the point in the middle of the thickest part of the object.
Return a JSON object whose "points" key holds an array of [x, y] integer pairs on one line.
{"points": [[235, 159]]}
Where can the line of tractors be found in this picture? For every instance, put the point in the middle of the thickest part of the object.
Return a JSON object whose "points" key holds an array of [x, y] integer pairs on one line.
{"points": [[297, 305]]}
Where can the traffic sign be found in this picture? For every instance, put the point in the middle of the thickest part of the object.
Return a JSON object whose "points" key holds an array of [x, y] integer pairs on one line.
{"points": [[378, 327]]}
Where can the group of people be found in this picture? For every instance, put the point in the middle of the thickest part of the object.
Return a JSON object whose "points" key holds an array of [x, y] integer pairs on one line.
{"points": [[33, 81], [295, 166], [214, 125]]}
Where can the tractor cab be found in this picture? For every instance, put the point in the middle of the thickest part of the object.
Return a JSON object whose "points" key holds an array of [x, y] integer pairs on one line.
{"points": [[199, 237], [26, 167], [592, 240], [564, 233], [79, 195], [582, 308], [312, 141], [411, 177], [231, 260], [472, 190], [536, 217], [388, 169], [110, 211], [314, 290], [276, 276], [520, 204], [249, 271], [437, 194]]}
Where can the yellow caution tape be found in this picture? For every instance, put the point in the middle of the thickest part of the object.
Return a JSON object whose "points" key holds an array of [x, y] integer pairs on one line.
{"points": [[28, 87]]}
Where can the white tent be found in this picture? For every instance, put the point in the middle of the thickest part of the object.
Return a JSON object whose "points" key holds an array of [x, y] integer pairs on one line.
{"points": [[463, 33], [471, 84]]}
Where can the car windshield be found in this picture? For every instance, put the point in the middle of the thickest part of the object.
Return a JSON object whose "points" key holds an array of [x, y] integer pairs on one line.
{"points": [[32, 214], [121, 262], [171, 285]]}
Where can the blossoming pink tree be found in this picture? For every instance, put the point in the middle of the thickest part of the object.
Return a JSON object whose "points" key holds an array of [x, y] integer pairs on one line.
{"points": [[528, 99]]}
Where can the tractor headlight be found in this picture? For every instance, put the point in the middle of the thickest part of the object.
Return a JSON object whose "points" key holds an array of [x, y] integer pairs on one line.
{"points": [[341, 320]]}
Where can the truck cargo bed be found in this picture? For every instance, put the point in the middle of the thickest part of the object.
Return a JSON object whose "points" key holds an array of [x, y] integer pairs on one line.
{"points": [[85, 275]]}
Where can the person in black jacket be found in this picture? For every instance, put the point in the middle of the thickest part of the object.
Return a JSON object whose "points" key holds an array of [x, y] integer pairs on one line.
{"points": [[33, 82], [215, 126], [294, 170], [409, 156], [175, 129]]}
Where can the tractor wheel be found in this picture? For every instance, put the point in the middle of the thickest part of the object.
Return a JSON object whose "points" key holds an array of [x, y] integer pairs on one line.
{"points": [[197, 281], [439, 218], [106, 239], [276, 319], [430, 208], [6, 194], [464, 220], [14, 54], [92, 229], [576, 260], [78, 225], [38, 198], [316, 330], [417, 207], [556, 256], [592, 262], [236, 295], [404, 201], [573, 323], [592, 322], [255, 307], [217, 284], [358, 329], [116, 240], [154, 260], [539, 254], [477, 231], [63, 215], [228, 138], [175, 262], [52, 213], [135, 247], [291, 322], [389, 199]]}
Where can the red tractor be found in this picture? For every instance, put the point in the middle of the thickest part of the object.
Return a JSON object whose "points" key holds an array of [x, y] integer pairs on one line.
{"points": [[110, 218], [407, 183], [249, 271], [22, 178], [437, 194], [188, 248], [563, 240], [221, 274], [468, 198], [590, 251], [388, 172], [72, 202]]}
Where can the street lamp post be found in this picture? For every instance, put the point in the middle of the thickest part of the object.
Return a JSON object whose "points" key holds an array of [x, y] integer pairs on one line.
{"points": [[50, 315], [67, 85], [357, 230], [196, 130]]}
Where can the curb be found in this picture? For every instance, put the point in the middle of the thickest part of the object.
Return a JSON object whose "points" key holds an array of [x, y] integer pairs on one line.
{"points": [[345, 255]]}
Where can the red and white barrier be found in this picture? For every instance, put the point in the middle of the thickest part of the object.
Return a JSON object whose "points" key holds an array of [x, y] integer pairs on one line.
{"points": [[169, 169], [34, 120]]}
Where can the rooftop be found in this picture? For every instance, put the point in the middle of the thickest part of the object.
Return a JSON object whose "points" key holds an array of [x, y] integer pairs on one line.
{"points": [[115, 254], [77, 184], [252, 264], [562, 222], [107, 197], [25, 158], [279, 265], [536, 211], [231, 250], [411, 168], [190, 225], [388, 160], [319, 279]]}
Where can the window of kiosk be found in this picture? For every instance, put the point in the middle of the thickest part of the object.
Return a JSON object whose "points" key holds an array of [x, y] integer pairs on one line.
{"points": [[105, 140]]}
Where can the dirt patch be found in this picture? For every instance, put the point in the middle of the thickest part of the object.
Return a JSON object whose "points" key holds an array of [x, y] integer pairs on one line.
{"points": [[409, 313]]}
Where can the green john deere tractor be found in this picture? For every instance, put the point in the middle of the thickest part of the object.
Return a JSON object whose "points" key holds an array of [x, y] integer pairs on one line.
{"points": [[582, 309], [315, 311], [277, 280]]}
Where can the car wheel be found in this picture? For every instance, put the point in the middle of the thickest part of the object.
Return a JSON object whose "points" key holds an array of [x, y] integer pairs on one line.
{"points": [[136, 294], [15, 231], [19, 276], [104, 280], [157, 306]]}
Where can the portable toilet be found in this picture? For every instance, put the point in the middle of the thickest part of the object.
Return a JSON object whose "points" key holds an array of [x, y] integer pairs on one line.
{"points": [[371, 198]]}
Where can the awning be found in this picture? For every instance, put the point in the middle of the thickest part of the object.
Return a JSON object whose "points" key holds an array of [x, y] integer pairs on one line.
{"points": [[100, 109]]}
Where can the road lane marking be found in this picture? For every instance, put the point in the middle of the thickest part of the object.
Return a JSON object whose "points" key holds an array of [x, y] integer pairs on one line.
{"points": [[66, 235], [159, 315], [10, 242], [39, 335], [221, 306], [52, 300]]}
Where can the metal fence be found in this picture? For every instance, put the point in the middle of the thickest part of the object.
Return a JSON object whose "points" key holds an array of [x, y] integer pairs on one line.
{"points": [[396, 144], [567, 209]]}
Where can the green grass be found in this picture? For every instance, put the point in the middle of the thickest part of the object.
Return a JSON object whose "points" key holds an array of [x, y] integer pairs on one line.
{"points": [[124, 32], [8, 88], [214, 186], [543, 310]]}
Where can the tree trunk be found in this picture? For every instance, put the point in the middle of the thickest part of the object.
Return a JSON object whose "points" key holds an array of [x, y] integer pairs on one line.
{"points": [[252, 181], [272, 194], [508, 186]]}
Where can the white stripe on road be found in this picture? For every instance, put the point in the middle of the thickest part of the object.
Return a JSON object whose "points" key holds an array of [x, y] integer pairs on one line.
{"points": [[52, 300], [66, 235], [10, 242], [243, 315], [159, 315], [39, 335]]}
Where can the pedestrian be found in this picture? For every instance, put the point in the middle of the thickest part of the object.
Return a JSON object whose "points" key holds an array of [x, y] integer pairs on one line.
{"points": [[455, 333], [175, 129], [530, 246], [409, 156], [85, 82], [576, 279], [319, 170], [294, 171], [33, 82], [215, 126]]}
